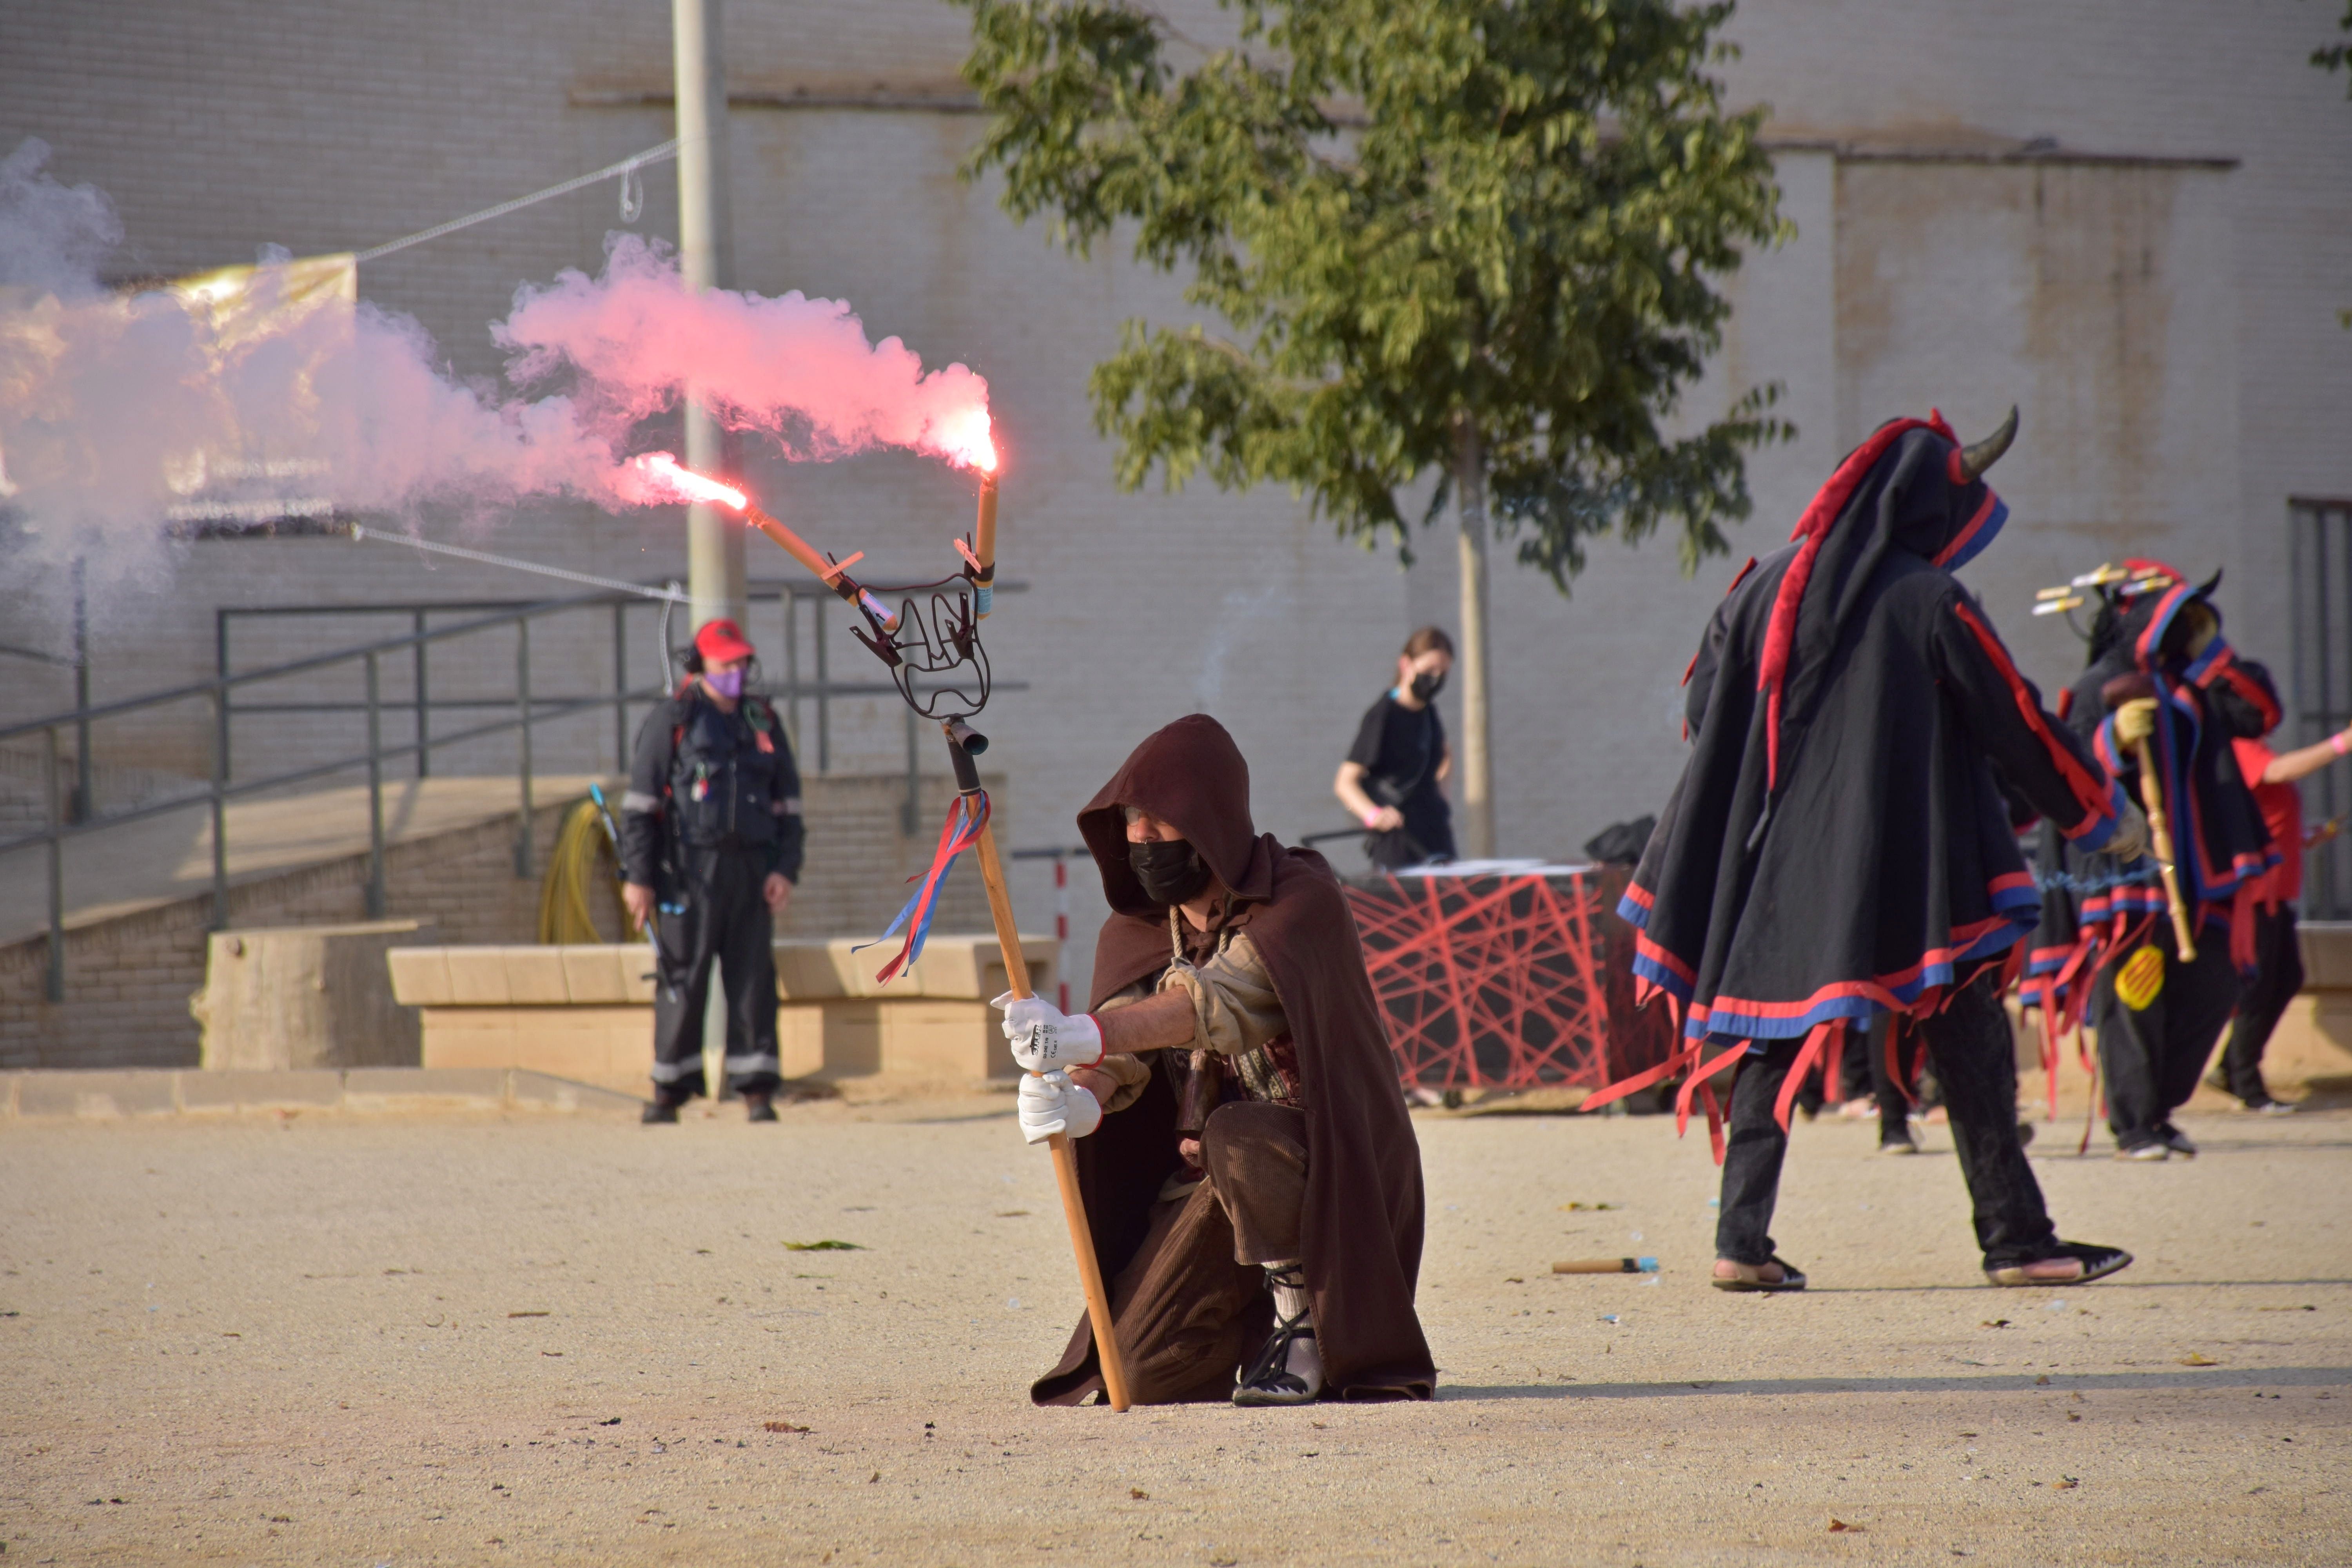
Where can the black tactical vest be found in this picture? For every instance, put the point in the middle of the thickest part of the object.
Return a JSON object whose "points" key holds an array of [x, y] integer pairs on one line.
{"points": [[722, 779]]}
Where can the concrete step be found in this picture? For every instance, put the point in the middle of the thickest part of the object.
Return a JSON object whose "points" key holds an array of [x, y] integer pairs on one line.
{"points": [[116, 1094]]}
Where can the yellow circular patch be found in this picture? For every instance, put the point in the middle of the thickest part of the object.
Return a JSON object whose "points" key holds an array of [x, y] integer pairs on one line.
{"points": [[2142, 978]]}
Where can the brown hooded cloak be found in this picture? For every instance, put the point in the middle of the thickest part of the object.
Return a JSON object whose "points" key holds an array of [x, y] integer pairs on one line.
{"points": [[1361, 1222]]}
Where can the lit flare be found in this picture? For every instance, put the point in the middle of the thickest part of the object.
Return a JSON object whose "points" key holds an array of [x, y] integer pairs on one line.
{"points": [[663, 478], [968, 440], [666, 475]]}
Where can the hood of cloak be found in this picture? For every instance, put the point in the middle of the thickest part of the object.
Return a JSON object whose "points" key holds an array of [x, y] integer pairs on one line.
{"points": [[1911, 487], [1192, 777], [1362, 1222], [2157, 626]]}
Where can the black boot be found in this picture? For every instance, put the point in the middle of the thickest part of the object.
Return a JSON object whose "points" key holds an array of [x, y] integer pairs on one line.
{"points": [[758, 1107], [659, 1112]]}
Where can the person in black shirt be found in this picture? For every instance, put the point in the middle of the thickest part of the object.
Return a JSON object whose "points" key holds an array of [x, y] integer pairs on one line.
{"points": [[712, 833], [1391, 780]]}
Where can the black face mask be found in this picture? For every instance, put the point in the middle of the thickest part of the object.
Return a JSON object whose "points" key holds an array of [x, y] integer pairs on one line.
{"points": [[1171, 871], [1427, 685]]}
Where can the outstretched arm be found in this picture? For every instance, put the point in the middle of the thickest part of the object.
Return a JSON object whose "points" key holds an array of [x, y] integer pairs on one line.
{"points": [[2292, 765]]}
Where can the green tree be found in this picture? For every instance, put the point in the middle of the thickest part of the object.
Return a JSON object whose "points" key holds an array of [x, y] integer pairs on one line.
{"points": [[1475, 236], [2336, 56]]}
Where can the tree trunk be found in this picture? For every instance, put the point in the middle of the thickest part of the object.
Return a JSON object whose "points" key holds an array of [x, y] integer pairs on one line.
{"points": [[1472, 751]]}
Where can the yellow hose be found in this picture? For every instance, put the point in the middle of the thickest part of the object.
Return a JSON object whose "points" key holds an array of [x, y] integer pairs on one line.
{"points": [[584, 859]]}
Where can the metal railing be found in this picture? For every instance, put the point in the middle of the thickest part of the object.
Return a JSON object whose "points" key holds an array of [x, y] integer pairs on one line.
{"points": [[2320, 537], [80, 802], [528, 708]]}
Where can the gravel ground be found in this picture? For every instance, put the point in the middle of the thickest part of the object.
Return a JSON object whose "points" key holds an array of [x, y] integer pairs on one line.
{"points": [[392, 1342]]}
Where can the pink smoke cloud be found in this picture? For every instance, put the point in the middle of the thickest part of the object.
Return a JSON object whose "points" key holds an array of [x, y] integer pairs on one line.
{"points": [[113, 409], [797, 370]]}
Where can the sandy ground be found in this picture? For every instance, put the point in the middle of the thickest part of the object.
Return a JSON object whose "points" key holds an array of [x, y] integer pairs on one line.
{"points": [[396, 1341]]}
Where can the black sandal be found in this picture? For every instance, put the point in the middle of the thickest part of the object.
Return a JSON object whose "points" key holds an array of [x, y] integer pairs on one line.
{"points": [[2097, 1262], [1792, 1279], [1269, 1380]]}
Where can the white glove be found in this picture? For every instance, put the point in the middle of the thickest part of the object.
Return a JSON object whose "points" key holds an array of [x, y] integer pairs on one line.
{"points": [[1051, 1103], [2129, 840], [1044, 1037]]}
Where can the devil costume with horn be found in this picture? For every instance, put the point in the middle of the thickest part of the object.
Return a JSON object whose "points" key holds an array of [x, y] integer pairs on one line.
{"points": [[2156, 644], [1839, 843]]}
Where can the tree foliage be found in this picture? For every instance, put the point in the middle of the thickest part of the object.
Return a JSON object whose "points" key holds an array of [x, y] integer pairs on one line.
{"points": [[1402, 215], [2336, 56]]}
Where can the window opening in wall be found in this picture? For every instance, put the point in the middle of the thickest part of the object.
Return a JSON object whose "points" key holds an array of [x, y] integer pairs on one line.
{"points": [[2321, 541]]}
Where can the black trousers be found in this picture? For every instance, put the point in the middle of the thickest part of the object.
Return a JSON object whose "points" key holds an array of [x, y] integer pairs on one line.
{"points": [[2262, 1000], [1969, 1046], [727, 918], [2151, 1056]]}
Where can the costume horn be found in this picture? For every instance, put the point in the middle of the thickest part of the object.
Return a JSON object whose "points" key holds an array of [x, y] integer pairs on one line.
{"points": [[1975, 460]]}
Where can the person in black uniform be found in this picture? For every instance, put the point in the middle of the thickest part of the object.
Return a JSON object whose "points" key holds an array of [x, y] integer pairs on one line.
{"points": [[1391, 780], [711, 833]]}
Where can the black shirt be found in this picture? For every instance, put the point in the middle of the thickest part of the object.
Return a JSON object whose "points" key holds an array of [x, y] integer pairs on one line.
{"points": [[1400, 751]]}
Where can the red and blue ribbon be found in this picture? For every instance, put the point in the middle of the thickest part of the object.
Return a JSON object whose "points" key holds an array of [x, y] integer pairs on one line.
{"points": [[959, 832]]}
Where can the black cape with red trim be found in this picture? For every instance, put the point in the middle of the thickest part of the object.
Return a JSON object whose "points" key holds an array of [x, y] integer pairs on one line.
{"points": [[1839, 843], [1361, 1228], [2220, 843]]}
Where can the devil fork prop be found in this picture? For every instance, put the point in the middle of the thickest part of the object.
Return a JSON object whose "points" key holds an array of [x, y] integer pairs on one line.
{"points": [[1065, 1159]]}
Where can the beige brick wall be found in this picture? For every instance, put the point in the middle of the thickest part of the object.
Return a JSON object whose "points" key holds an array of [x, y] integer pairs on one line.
{"points": [[218, 127], [127, 980]]}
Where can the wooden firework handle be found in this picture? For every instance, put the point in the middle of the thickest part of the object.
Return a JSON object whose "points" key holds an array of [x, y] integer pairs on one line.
{"points": [[2160, 834], [984, 535], [1065, 1159], [829, 572]]}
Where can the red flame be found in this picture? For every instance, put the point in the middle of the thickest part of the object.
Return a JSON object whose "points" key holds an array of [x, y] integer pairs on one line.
{"points": [[665, 478]]}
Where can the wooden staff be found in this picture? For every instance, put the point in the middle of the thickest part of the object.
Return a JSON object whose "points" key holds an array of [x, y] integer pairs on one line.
{"points": [[2159, 833], [1606, 1266], [1065, 1159]]}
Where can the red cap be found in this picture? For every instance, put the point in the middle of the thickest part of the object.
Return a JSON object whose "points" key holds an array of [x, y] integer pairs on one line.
{"points": [[718, 642]]}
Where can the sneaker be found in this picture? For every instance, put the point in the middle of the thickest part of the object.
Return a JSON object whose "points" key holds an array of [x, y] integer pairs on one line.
{"points": [[758, 1107], [659, 1112], [2097, 1262], [2174, 1139], [2269, 1107], [2150, 1151], [1903, 1145]]}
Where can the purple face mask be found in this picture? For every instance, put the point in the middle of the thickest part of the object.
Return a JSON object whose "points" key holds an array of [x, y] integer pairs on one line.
{"points": [[727, 683]]}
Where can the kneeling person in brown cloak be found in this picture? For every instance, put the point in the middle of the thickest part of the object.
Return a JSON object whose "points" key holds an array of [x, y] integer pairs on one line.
{"points": [[1243, 1147]]}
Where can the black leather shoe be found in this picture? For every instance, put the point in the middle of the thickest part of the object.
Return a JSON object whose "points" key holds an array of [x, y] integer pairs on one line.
{"points": [[659, 1112]]}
